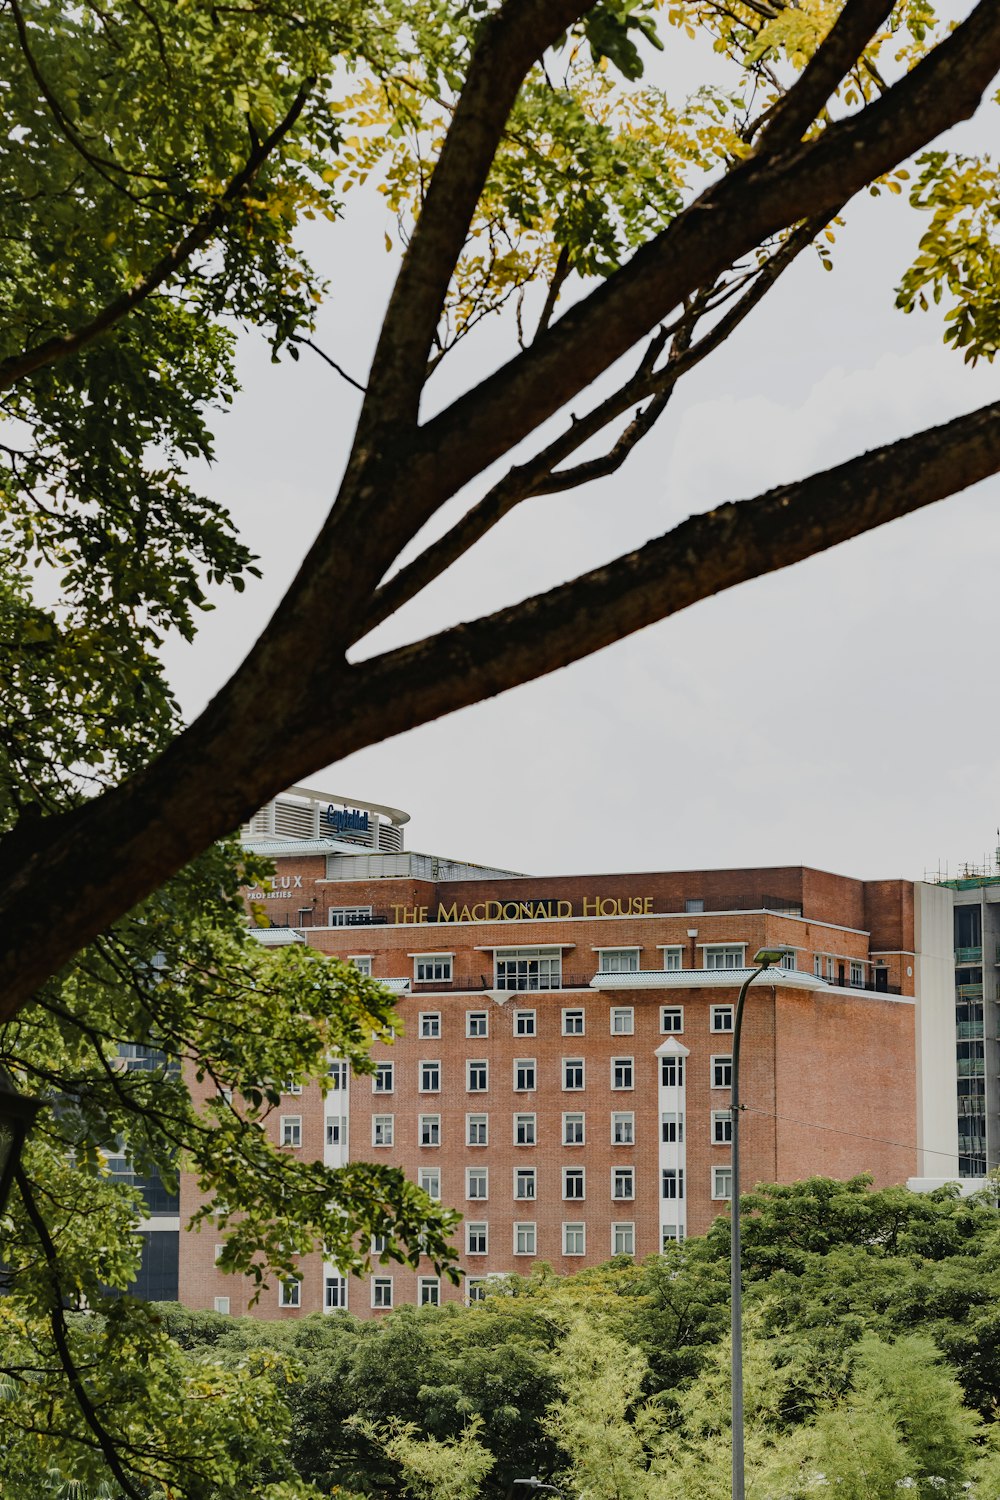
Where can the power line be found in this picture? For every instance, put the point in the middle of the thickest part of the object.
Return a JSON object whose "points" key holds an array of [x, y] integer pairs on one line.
{"points": [[879, 1140]]}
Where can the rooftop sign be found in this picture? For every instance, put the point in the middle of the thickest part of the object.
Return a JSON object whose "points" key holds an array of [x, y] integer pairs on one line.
{"points": [[343, 821]]}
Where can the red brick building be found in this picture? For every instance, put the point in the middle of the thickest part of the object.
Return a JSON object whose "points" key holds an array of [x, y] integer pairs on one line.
{"points": [[562, 1075]]}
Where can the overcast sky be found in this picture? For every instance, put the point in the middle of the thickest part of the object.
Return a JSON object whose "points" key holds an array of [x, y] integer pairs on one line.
{"points": [[844, 713]]}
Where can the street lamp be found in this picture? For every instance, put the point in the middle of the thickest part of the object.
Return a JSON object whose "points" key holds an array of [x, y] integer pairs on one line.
{"points": [[17, 1115], [534, 1483], [764, 959]]}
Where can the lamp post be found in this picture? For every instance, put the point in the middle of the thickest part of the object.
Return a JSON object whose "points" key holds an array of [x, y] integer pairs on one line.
{"points": [[534, 1483], [17, 1115], [763, 960]]}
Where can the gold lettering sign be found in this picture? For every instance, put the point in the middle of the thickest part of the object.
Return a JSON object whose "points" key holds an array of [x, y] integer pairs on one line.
{"points": [[530, 911]]}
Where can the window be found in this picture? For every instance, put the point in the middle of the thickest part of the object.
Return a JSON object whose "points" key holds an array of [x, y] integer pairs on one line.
{"points": [[430, 1130], [335, 1292], [475, 1289], [722, 1018], [572, 1023], [573, 1130], [623, 1182], [382, 1129], [476, 1129], [722, 1072], [694, 903], [433, 968], [348, 916], [338, 1075], [524, 1182], [291, 1087], [336, 1130], [476, 1023], [477, 1183], [430, 1182], [524, 1130], [430, 1024], [623, 1239], [381, 1291], [673, 958], [726, 956], [524, 1074], [379, 1243], [621, 1072], [672, 1234], [574, 1239], [672, 1072], [528, 968], [572, 1072], [722, 1182], [618, 960], [430, 1291], [524, 1023], [673, 1182], [671, 1018], [291, 1130], [722, 1127], [788, 959], [476, 1239], [430, 1077], [818, 965], [574, 1185], [221, 1304], [857, 973], [524, 1239], [290, 1293], [219, 1251], [830, 967], [622, 1020], [382, 1083], [476, 1077], [362, 962], [672, 1129], [623, 1128]]}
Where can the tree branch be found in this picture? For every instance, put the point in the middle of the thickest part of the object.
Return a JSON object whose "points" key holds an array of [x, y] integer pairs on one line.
{"points": [[17, 366]]}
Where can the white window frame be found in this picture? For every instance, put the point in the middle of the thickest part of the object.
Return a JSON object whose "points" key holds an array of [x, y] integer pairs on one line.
{"points": [[429, 1182], [672, 1065], [719, 1016], [722, 1177], [290, 1127], [623, 1238], [673, 958], [336, 1130], [478, 1123], [475, 1289], [479, 1231], [528, 1122], [622, 1068], [571, 1014], [574, 1235], [724, 956], [617, 960], [579, 1063], [574, 1175], [384, 1126], [335, 1293], [430, 1025], [384, 1070], [525, 1023], [477, 1063], [221, 1305], [621, 1175], [433, 968], [428, 1291], [290, 1292], [479, 1176], [523, 1232], [473, 1018], [856, 971], [429, 1125], [427, 1087], [625, 1014], [721, 1119], [526, 1177], [674, 1176], [818, 965], [362, 962], [526, 969], [672, 1120], [578, 1120], [671, 1013], [789, 960], [382, 1293], [339, 916], [720, 1064], [337, 1072], [626, 1119], [289, 1086], [525, 1075]]}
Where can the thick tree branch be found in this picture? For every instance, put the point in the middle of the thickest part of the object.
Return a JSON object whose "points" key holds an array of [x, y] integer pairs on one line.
{"points": [[17, 366], [847, 39], [540, 476]]}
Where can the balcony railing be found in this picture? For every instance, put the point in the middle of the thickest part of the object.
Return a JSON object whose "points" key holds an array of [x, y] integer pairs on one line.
{"points": [[968, 955], [969, 991], [972, 1104], [969, 1031], [971, 1067]]}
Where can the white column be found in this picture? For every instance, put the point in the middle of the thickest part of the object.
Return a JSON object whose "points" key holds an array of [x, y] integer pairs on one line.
{"points": [[671, 1123], [336, 1153]]}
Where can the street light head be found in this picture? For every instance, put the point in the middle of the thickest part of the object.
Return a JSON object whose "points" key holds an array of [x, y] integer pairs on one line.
{"points": [[765, 957]]}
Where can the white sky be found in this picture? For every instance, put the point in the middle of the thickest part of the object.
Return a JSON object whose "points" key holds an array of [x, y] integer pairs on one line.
{"points": [[844, 713]]}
